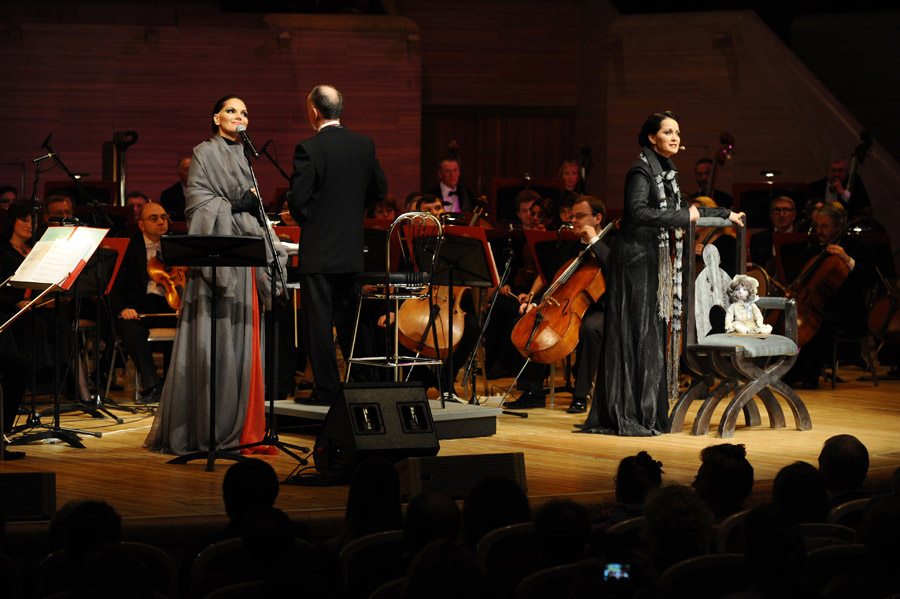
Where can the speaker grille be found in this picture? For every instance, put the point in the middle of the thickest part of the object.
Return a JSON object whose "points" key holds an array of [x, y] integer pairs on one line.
{"points": [[28, 495], [456, 475]]}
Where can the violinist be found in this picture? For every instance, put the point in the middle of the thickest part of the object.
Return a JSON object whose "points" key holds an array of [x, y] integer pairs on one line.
{"points": [[845, 310], [586, 219], [134, 294]]}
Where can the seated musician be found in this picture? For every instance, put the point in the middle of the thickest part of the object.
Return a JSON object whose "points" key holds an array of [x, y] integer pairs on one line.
{"points": [[845, 310], [782, 213], [135, 294], [587, 218]]}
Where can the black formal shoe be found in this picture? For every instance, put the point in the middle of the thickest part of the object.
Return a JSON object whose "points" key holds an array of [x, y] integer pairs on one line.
{"points": [[13, 455], [529, 399], [578, 406], [151, 395]]}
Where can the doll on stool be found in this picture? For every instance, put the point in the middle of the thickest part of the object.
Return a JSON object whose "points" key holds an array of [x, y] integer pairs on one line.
{"points": [[743, 315]]}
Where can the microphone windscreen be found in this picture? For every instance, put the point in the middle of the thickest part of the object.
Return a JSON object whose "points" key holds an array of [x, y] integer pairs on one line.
{"points": [[240, 128]]}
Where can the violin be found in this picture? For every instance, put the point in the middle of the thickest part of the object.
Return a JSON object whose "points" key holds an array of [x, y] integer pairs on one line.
{"points": [[172, 278], [413, 320], [550, 332]]}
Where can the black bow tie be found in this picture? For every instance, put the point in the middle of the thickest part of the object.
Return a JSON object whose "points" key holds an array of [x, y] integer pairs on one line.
{"points": [[451, 193]]}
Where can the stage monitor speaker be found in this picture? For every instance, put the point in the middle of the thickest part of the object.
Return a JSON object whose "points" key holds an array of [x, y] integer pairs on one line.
{"points": [[388, 419], [28, 495], [455, 475]]}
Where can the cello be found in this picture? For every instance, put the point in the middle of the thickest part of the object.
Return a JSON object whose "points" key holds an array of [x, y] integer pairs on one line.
{"points": [[550, 332], [414, 318]]}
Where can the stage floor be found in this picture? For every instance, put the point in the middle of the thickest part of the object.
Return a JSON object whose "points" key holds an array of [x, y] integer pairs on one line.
{"points": [[141, 485]]}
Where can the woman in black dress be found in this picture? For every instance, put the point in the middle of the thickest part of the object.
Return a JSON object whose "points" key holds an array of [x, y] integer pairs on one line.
{"points": [[638, 375]]}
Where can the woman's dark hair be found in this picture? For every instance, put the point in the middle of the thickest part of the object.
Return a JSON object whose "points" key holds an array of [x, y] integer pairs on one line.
{"points": [[18, 210], [636, 476], [218, 107], [652, 125]]}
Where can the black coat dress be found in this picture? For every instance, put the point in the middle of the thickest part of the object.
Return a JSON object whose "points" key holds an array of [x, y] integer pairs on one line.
{"points": [[630, 397]]}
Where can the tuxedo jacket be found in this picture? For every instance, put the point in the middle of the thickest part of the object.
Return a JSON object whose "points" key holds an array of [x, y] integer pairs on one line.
{"points": [[172, 199], [336, 177], [130, 287], [858, 202], [466, 199]]}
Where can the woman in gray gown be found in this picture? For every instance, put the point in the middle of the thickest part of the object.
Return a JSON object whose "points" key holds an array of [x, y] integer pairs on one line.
{"points": [[638, 372], [220, 200]]}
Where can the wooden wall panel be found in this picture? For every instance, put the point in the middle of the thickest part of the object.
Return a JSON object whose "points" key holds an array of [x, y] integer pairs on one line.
{"points": [[82, 82]]}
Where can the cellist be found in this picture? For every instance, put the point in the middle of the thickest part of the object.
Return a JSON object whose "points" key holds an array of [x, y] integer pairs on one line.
{"points": [[844, 310], [586, 220]]}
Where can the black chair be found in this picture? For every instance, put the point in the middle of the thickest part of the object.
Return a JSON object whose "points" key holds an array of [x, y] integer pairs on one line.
{"points": [[371, 561], [706, 576]]}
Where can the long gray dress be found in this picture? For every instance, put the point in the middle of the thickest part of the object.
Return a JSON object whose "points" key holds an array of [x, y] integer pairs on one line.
{"points": [[219, 173], [630, 397]]}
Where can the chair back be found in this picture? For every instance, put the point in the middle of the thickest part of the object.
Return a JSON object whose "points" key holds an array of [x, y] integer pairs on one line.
{"points": [[160, 564], [549, 582], [420, 235], [371, 561], [730, 534], [849, 513], [507, 555], [626, 536], [216, 565], [706, 576], [827, 563]]}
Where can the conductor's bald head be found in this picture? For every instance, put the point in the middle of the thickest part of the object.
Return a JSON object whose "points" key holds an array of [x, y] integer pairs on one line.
{"points": [[326, 103]]}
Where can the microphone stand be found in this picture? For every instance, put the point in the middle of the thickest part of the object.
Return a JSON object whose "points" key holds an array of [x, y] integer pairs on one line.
{"points": [[270, 437], [265, 153], [473, 399]]}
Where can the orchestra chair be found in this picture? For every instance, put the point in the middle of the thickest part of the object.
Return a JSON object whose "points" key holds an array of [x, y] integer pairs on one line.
{"points": [[405, 277], [371, 561], [747, 368], [706, 576], [865, 340]]}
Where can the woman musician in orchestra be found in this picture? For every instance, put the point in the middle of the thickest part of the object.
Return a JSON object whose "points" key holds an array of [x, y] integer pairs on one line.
{"points": [[587, 222], [220, 200], [34, 334], [643, 291], [845, 308]]}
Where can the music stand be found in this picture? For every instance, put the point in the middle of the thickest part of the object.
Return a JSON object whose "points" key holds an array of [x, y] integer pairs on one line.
{"points": [[213, 251], [465, 259]]}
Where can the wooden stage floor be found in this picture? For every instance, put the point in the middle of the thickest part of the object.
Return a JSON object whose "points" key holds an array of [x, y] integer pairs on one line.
{"points": [[143, 487]]}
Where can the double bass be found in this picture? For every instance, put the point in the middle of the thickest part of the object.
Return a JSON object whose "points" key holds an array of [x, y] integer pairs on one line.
{"points": [[550, 331]]}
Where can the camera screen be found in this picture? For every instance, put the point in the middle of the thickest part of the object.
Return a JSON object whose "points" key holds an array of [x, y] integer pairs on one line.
{"points": [[615, 572]]}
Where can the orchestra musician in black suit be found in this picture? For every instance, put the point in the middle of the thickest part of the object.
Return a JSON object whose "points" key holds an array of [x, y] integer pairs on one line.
{"points": [[456, 197], [836, 186], [336, 177], [172, 198], [134, 294]]}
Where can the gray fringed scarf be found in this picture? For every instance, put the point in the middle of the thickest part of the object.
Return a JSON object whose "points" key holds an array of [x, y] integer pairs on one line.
{"points": [[668, 293]]}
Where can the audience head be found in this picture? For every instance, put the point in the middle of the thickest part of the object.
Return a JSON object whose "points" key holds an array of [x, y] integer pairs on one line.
{"points": [[843, 464], [798, 488], [248, 484], [678, 525], [8, 195], [563, 529], [89, 527], [493, 502], [373, 502], [267, 531], [430, 515], [724, 479], [443, 569], [636, 476], [136, 201]]}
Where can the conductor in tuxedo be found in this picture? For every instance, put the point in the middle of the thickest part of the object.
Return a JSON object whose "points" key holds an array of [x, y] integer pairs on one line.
{"points": [[336, 177], [135, 294]]}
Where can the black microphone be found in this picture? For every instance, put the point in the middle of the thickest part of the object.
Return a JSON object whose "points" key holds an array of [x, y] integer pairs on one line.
{"points": [[44, 157], [248, 144]]}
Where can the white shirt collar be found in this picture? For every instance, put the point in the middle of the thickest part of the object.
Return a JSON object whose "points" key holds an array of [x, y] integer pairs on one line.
{"points": [[330, 124]]}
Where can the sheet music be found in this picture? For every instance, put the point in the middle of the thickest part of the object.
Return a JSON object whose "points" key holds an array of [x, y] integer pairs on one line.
{"points": [[60, 252]]}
